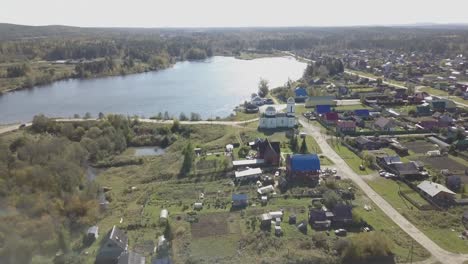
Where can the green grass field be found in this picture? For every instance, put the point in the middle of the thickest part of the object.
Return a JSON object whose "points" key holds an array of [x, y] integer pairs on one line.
{"points": [[350, 158], [436, 225]]}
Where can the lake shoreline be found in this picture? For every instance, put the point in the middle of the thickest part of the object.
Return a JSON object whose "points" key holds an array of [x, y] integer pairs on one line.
{"points": [[242, 56], [211, 88]]}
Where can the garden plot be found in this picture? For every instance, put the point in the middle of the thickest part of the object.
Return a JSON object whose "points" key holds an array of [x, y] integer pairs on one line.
{"points": [[420, 147]]}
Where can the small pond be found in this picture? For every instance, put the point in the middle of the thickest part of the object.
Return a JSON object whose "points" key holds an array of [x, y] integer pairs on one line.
{"points": [[149, 151]]}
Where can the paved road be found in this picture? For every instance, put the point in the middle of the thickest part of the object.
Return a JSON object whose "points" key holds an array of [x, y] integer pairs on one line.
{"points": [[10, 128], [440, 254]]}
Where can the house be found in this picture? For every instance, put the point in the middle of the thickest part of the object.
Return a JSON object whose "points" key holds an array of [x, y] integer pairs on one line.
{"points": [[342, 214], [445, 120], [442, 105], [345, 126], [239, 200], [462, 144], [364, 143], [330, 118], [131, 257], [318, 219], [113, 246], [418, 97], [436, 192], [362, 113], [322, 109], [256, 100], [273, 120], [442, 145], [429, 124], [406, 170], [454, 183], [423, 110], [300, 94], [384, 124], [268, 151], [387, 161], [303, 167]]}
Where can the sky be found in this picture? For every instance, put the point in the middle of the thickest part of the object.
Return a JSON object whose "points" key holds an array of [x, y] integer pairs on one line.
{"points": [[233, 13]]}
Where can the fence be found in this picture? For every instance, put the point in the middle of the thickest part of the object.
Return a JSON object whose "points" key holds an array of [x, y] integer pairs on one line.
{"points": [[416, 189], [422, 207]]}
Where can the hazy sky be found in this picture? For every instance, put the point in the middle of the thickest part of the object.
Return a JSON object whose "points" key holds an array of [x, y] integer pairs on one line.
{"points": [[221, 13]]}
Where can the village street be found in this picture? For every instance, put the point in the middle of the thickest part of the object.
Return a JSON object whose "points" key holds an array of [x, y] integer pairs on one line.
{"points": [[345, 171]]}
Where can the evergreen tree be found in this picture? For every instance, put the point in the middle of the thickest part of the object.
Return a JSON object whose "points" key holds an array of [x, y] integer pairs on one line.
{"points": [[304, 149], [188, 159]]}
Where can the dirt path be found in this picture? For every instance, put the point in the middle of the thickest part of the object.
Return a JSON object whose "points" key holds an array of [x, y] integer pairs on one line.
{"points": [[438, 253]]}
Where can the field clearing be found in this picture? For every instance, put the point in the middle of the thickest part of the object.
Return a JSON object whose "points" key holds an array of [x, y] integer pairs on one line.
{"points": [[211, 225], [446, 162], [420, 147]]}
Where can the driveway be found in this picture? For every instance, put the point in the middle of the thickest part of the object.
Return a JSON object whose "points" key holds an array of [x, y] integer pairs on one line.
{"points": [[440, 254]]}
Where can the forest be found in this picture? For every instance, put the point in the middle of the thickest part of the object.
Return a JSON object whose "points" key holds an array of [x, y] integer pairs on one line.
{"points": [[37, 55]]}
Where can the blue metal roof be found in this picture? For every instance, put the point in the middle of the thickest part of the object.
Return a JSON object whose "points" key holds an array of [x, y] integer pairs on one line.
{"points": [[300, 91], [307, 162], [239, 197], [361, 112], [322, 109]]}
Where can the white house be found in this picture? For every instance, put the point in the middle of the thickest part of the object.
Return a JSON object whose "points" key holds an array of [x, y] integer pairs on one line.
{"points": [[271, 119]]}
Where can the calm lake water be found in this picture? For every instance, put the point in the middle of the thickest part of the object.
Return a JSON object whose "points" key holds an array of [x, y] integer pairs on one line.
{"points": [[212, 87], [149, 151]]}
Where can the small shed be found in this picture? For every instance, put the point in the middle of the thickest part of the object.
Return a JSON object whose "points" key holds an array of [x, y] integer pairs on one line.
{"points": [[163, 215], [265, 220], [197, 206], [249, 173], [276, 214], [302, 226], [229, 148], [465, 218], [162, 244], [278, 231], [198, 151], [239, 200], [292, 219], [266, 189], [92, 234]]}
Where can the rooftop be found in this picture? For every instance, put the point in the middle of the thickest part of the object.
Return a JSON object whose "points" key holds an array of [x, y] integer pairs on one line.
{"points": [[432, 188]]}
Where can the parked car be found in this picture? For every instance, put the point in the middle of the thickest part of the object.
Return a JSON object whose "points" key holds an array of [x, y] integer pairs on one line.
{"points": [[341, 232]]}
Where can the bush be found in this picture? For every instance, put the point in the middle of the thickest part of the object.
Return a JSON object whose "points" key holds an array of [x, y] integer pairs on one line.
{"points": [[365, 246]]}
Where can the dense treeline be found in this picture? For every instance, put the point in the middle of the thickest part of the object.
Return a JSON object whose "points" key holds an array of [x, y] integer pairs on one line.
{"points": [[324, 67], [93, 52], [45, 196]]}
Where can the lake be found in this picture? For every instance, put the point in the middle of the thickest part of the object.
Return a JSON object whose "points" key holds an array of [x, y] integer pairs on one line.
{"points": [[211, 87]]}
